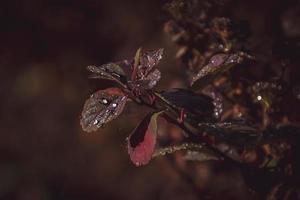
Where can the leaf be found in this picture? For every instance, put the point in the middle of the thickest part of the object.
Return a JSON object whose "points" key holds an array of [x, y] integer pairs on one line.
{"points": [[151, 80], [126, 66], [137, 57], [194, 152], [136, 64], [110, 71], [141, 143], [217, 100], [174, 148], [197, 104], [236, 132], [148, 83], [151, 58], [102, 107], [148, 60], [218, 64], [201, 156]]}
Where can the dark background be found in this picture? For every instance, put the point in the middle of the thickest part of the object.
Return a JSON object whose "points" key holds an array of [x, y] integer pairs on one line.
{"points": [[45, 46]]}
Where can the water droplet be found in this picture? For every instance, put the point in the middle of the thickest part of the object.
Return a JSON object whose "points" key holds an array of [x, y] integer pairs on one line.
{"points": [[96, 122], [114, 105], [116, 75], [104, 101], [218, 59], [259, 98]]}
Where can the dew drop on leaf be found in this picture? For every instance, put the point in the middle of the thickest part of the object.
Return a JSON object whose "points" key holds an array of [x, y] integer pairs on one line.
{"points": [[102, 107]]}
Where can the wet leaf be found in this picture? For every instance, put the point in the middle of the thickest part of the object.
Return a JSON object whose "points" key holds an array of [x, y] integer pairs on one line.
{"points": [[218, 64], [127, 66], [153, 78], [194, 152], [151, 58], [197, 104], [217, 100], [148, 60], [174, 148], [110, 71], [141, 143], [149, 82], [201, 156], [236, 132], [102, 107]]}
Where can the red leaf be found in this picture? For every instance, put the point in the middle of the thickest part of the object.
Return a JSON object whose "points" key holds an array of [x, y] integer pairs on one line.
{"points": [[141, 143], [144, 63], [149, 59]]}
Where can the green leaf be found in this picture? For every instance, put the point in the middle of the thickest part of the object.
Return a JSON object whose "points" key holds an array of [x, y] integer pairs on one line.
{"points": [[137, 57]]}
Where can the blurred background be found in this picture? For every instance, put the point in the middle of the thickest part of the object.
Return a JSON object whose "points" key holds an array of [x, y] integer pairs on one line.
{"points": [[44, 50], [45, 46]]}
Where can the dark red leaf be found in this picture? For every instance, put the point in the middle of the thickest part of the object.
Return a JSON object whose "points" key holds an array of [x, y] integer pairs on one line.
{"points": [[151, 58], [149, 82], [102, 107], [145, 61], [217, 100], [196, 104], [215, 63], [110, 71], [218, 64], [153, 78], [141, 143]]}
